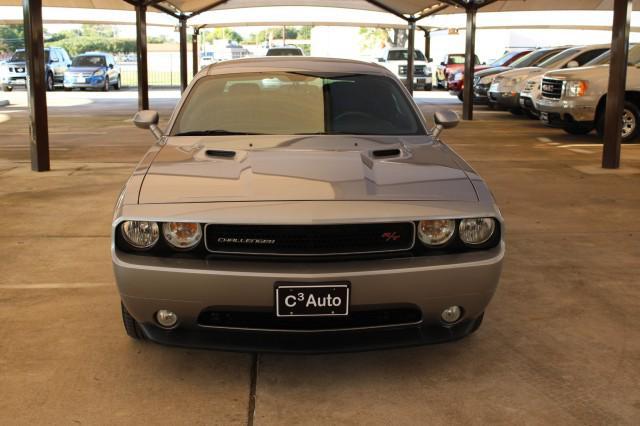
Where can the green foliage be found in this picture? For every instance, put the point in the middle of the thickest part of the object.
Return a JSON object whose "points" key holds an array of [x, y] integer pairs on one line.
{"points": [[11, 38], [90, 38], [374, 38], [222, 34], [292, 33]]}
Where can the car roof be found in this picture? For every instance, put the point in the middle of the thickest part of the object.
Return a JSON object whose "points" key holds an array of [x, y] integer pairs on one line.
{"points": [[294, 64], [93, 54]]}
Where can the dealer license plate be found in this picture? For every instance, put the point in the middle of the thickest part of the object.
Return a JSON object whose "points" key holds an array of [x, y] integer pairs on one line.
{"points": [[300, 300], [80, 80], [493, 87]]}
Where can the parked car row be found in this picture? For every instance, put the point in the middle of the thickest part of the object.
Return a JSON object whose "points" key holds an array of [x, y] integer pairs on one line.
{"points": [[91, 70], [564, 87]]}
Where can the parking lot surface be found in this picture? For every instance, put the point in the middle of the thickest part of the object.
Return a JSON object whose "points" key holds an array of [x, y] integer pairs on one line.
{"points": [[560, 343]]}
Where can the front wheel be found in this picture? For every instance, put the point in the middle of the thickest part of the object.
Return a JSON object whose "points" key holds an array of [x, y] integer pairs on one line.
{"points": [[630, 120], [7, 88], [516, 111], [118, 83], [106, 84], [50, 85]]}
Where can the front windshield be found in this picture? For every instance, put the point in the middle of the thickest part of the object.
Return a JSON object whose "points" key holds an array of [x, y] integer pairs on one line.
{"points": [[295, 103], [403, 55], [556, 61], [21, 56], [605, 58], [535, 58], [89, 61], [284, 52], [456, 59], [505, 59]]}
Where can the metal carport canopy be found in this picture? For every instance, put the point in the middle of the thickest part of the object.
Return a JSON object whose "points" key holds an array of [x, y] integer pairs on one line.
{"points": [[411, 10]]}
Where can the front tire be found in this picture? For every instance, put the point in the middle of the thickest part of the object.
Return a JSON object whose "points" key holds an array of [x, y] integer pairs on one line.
{"points": [[131, 326], [50, 84], [630, 122], [577, 129], [118, 83], [6, 88], [106, 86]]}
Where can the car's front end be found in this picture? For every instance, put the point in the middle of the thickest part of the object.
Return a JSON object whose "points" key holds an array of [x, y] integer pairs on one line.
{"points": [[309, 241], [13, 74], [504, 92], [422, 79], [530, 96], [85, 78], [482, 82], [569, 98]]}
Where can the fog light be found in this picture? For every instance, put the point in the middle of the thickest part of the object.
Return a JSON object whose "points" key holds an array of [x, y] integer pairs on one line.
{"points": [[451, 314], [166, 318]]}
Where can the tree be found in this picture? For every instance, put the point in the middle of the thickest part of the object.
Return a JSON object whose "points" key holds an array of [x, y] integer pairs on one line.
{"points": [[11, 38], [222, 34]]}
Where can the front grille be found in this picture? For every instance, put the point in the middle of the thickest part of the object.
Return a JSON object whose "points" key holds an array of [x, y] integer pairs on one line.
{"points": [[359, 317], [418, 70], [310, 240], [552, 89]]}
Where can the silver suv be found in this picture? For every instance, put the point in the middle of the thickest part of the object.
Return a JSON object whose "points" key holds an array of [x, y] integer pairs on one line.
{"points": [[13, 73], [574, 100]]}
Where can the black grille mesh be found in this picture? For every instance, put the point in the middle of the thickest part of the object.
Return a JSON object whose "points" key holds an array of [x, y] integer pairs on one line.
{"points": [[316, 240]]}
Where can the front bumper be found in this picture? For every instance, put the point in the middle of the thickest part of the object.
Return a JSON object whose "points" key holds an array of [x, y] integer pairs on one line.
{"points": [[582, 110], [94, 82], [419, 82], [189, 286], [14, 80], [505, 100]]}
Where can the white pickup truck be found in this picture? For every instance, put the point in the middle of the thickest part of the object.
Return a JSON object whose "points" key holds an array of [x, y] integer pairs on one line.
{"points": [[395, 60]]}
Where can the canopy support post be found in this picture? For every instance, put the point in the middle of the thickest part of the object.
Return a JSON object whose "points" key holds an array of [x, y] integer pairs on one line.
{"points": [[36, 85], [410, 53], [469, 64], [427, 45], [617, 83], [183, 53], [141, 55], [194, 49]]}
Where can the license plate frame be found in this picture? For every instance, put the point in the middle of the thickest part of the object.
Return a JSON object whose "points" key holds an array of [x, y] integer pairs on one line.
{"points": [[305, 293]]}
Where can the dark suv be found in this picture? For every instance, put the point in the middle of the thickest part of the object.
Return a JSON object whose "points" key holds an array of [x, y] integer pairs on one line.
{"points": [[14, 72]]}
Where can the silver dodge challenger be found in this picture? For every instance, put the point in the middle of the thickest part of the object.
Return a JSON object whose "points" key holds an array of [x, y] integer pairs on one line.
{"points": [[303, 204]]}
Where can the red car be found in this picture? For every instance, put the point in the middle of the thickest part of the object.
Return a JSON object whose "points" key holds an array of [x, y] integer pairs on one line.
{"points": [[451, 64], [455, 82]]}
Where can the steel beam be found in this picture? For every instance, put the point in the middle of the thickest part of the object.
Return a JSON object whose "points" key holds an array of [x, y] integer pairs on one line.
{"points": [[469, 65], [427, 44], [141, 55], [617, 83], [182, 24], [194, 49], [410, 53], [36, 85]]}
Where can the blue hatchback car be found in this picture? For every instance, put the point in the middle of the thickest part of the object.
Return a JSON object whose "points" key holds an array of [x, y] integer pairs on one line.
{"points": [[94, 70]]}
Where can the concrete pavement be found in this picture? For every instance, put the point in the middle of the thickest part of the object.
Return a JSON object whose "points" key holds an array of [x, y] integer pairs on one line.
{"points": [[560, 342]]}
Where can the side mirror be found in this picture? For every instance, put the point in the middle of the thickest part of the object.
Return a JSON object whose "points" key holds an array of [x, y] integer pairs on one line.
{"points": [[443, 64], [110, 66], [68, 65], [381, 60], [573, 64], [147, 119], [444, 120]]}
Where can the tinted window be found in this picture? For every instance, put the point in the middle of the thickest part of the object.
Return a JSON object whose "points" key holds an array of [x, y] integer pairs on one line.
{"points": [[605, 58], [589, 56], [403, 55], [456, 59], [506, 59], [293, 103], [89, 61], [284, 52], [560, 59]]}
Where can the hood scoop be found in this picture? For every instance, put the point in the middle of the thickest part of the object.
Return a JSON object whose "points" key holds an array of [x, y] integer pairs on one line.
{"points": [[385, 153], [217, 153]]}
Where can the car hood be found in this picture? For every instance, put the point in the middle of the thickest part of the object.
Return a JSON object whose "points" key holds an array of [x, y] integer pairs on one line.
{"points": [[16, 63], [84, 69], [579, 73], [301, 168], [522, 72]]}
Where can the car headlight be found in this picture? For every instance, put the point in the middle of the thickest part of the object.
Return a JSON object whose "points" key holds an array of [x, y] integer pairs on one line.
{"points": [[486, 80], [458, 77], [140, 234], [576, 88], [436, 232], [98, 73], [476, 231], [182, 235]]}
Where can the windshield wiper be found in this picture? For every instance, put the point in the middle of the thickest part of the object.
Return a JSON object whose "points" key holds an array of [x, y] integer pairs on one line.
{"points": [[213, 132]]}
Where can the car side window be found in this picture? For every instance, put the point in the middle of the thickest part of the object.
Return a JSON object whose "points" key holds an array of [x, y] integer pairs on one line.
{"points": [[53, 55], [585, 57]]}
